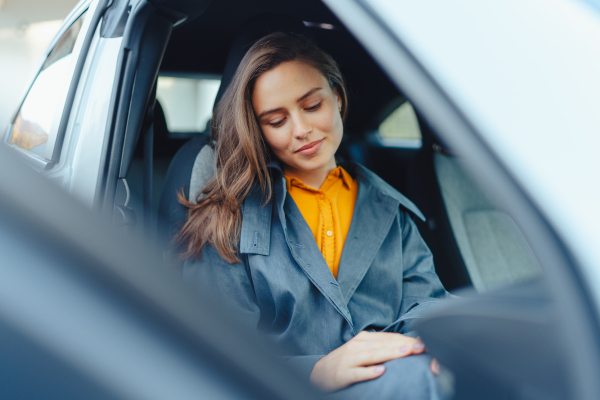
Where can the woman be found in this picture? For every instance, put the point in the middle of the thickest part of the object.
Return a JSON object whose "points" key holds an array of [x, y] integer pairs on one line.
{"points": [[320, 256]]}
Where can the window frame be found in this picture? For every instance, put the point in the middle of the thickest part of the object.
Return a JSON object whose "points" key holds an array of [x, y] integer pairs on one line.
{"points": [[80, 50]]}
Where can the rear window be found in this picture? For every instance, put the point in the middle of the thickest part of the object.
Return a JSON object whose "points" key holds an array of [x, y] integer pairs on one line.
{"points": [[401, 128], [187, 101]]}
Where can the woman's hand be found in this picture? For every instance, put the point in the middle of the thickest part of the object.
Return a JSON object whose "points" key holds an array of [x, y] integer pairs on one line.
{"points": [[360, 359]]}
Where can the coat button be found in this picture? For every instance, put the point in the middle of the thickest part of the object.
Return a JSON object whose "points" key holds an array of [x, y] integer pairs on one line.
{"points": [[329, 233]]}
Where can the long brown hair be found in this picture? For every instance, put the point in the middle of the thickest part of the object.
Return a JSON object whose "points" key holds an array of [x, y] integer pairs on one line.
{"points": [[241, 154]]}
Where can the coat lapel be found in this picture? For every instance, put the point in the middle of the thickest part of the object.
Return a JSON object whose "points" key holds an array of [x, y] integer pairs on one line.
{"points": [[373, 215], [255, 236], [306, 253]]}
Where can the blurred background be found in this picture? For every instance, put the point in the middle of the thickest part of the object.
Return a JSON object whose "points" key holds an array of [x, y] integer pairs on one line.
{"points": [[26, 29]]}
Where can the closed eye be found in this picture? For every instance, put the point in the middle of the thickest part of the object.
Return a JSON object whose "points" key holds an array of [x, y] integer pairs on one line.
{"points": [[315, 107], [278, 123]]}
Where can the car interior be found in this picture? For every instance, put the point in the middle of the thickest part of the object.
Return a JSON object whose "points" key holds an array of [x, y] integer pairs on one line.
{"points": [[474, 243], [175, 61]]}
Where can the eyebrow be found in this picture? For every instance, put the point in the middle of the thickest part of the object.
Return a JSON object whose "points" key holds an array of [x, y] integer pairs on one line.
{"points": [[311, 91], [298, 100]]}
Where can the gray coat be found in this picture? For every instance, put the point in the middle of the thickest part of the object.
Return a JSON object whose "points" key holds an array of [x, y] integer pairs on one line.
{"points": [[283, 284]]}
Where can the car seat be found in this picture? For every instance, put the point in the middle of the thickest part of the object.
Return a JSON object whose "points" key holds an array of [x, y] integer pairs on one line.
{"points": [[193, 165], [474, 242], [162, 145], [494, 250]]}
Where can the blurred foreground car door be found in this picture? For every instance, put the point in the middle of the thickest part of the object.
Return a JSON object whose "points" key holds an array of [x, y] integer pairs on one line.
{"points": [[86, 313], [537, 340]]}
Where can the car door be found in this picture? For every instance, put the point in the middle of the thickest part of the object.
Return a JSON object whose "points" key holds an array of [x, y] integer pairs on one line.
{"points": [[59, 127], [539, 339], [88, 313]]}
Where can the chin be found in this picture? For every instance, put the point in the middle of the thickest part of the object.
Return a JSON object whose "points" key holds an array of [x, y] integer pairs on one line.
{"points": [[309, 166]]}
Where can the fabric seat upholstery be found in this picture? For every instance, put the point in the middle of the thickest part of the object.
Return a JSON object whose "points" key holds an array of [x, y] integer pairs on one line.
{"points": [[493, 248], [171, 213]]}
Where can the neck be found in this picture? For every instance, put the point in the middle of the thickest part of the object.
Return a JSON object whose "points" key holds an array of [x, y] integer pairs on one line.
{"points": [[314, 178]]}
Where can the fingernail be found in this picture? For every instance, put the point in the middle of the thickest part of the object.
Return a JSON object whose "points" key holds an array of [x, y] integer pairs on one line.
{"points": [[403, 349], [418, 346], [379, 369]]}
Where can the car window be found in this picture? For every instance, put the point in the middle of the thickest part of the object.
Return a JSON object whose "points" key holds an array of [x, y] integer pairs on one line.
{"points": [[187, 101], [401, 128], [36, 124]]}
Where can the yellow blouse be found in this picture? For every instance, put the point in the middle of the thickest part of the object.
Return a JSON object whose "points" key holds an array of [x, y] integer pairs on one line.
{"points": [[328, 211]]}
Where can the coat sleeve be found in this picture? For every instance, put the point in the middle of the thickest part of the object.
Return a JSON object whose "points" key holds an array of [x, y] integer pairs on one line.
{"points": [[231, 286], [224, 283], [421, 287]]}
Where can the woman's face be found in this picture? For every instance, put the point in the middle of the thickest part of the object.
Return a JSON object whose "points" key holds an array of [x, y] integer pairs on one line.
{"points": [[299, 115]]}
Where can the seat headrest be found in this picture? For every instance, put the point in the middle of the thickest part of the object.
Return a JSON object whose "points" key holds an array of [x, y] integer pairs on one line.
{"points": [[250, 32]]}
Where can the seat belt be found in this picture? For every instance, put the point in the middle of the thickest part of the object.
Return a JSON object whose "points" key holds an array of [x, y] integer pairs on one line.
{"points": [[147, 179]]}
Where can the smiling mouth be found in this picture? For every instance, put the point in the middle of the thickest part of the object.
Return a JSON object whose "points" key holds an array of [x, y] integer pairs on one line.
{"points": [[309, 146]]}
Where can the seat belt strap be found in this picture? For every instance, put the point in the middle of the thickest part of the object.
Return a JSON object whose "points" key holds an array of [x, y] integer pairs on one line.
{"points": [[147, 180]]}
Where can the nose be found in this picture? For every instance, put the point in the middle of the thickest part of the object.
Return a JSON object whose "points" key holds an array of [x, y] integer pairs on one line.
{"points": [[302, 127]]}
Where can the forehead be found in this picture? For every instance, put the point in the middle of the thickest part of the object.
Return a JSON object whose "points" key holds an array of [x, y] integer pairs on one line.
{"points": [[284, 84]]}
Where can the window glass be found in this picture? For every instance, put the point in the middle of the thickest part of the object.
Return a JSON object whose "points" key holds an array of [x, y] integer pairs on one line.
{"points": [[36, 124], [187, 101], [401, 128]]}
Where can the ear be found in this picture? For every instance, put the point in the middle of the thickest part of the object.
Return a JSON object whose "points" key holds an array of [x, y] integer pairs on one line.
{"points": [[339, 100]]}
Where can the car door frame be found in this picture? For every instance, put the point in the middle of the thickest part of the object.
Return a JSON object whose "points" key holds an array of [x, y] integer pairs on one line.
{"points": [[98, 7]]}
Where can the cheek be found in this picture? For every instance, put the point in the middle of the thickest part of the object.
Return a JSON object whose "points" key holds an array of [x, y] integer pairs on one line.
{"points": [[330, 122], [277, 141]]}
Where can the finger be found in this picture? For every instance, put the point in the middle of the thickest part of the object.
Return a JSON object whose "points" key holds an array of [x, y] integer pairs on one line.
{"points": [[381, 339], [418, 347], [409, 346], [435, 367], [378, 355], [362, 374], [385, 343], [419, 339], [379, 336]]}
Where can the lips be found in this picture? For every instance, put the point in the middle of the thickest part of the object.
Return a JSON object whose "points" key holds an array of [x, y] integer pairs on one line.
{"points": [[310, 148]]}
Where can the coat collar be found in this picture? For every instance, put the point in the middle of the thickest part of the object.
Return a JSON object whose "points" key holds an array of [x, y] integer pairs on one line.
{"points": [[376, 201], [367, 177], [255, 236], [338, 172]]}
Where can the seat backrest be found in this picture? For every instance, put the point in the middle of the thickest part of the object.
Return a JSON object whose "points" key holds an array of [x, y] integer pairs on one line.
{"points": [[493, 248], [192, 167], [162, 147], [171, 213]]}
